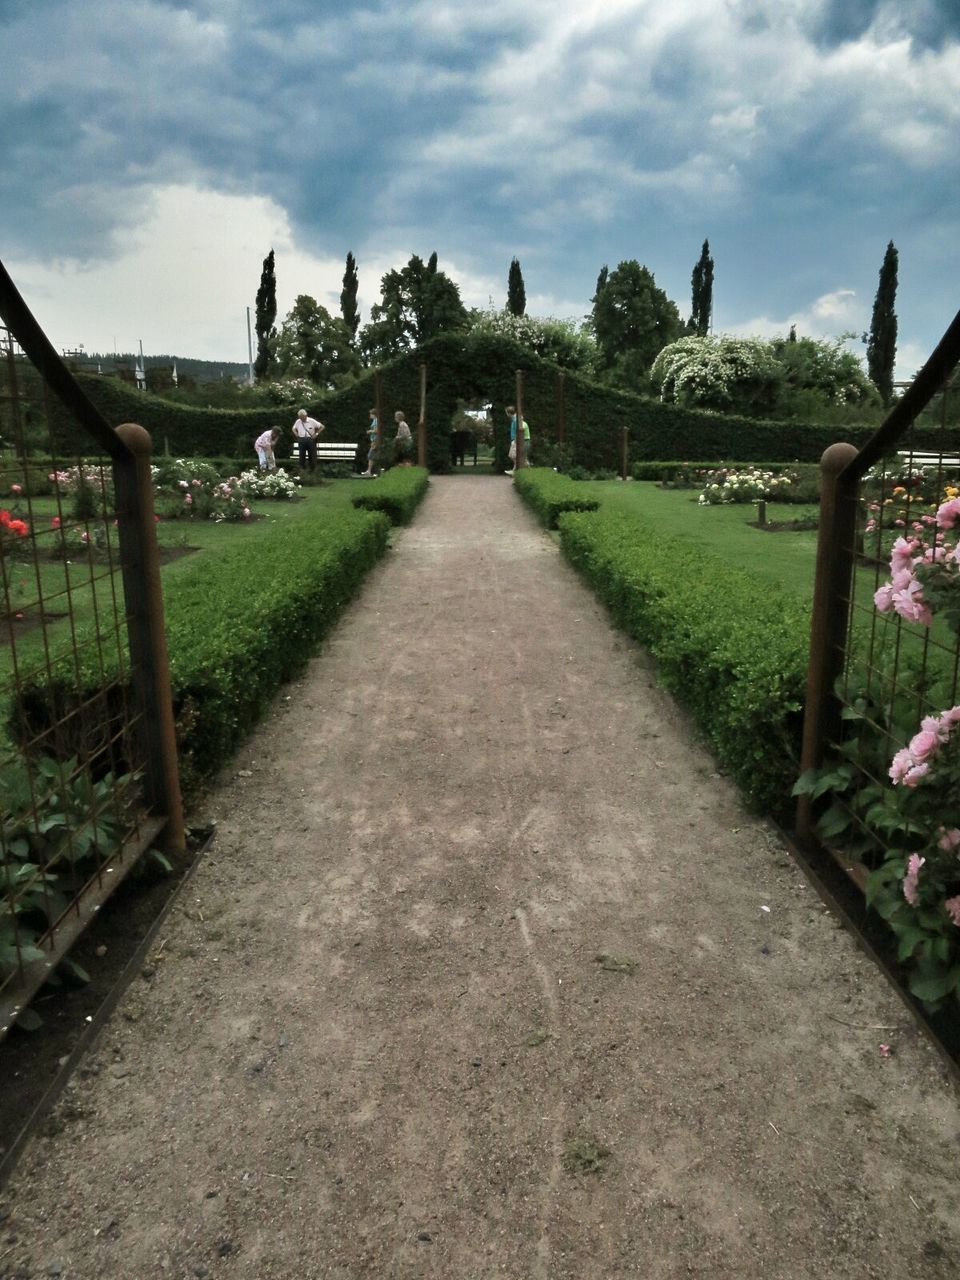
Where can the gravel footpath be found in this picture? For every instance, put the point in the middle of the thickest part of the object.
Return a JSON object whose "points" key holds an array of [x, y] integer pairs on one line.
{"points": [[489, 974]]}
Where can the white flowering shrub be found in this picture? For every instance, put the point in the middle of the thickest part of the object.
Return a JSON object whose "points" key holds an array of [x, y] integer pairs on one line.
{"points": [[717, 373], [725, 486], [562, 341], [275, 485]]}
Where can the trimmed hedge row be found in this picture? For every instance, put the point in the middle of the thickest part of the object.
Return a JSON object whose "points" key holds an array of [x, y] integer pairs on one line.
{"points": [[237, 629], [397, 493], [483, 367], [550, 493], [733, 653]]}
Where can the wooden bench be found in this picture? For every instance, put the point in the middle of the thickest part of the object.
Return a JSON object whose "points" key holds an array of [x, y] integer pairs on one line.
{"points": [[332, 451], [944, 461]]}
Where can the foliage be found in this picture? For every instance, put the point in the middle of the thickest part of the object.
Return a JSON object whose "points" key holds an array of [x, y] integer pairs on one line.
{"points": [[729, 485], [416, 304], [551, 494], [482, 366], [312, 344], [633, 321], [908, 832], [739, 374], [189, 490], [238, 625], [266, 314], [516, 293], [270, 485], [755, 376], [397, 493], [58, 823], [739, 665], [348, 299], [701, 285], [564, 342], [882, 341]]}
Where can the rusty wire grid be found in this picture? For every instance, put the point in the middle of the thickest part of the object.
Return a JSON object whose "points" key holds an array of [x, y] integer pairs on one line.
{"points": [[71, 732]]}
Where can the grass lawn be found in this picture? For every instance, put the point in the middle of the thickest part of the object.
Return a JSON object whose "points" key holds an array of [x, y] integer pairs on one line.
{"points": [[786, 558], [87, 586]]}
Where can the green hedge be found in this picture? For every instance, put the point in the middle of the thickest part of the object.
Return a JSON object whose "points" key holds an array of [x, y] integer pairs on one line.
{"points": [[397, 493], [239, 624], [483, 367], [550, 493], [732, 650]]}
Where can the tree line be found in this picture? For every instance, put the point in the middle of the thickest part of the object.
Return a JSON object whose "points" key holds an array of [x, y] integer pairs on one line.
{"points": [[632, 323]]}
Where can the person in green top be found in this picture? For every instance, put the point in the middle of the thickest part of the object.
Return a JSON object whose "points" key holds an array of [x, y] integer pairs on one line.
{"points": [[512, 413]]}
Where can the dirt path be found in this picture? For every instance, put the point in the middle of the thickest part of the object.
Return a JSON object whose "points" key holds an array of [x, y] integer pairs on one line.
{"points": [[378, 1040]]}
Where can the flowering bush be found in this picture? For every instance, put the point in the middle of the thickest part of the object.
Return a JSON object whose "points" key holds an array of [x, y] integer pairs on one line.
{"points": [[917, 887], [194, 491], [12, 531], [267, 484], [563, 341], [741, 486]]}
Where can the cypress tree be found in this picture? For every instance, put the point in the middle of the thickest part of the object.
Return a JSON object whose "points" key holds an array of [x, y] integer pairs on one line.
{"points": [[348, 298], [266, 314], [516, 293], [882, 343], [702, 290]]}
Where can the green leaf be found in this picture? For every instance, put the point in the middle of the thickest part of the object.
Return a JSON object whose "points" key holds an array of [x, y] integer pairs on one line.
{"points": [[29, 1020], [933, 987]]}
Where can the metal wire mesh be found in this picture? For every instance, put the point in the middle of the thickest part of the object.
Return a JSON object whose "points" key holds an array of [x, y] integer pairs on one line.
{"points": [[895, 669], [71, 768]]}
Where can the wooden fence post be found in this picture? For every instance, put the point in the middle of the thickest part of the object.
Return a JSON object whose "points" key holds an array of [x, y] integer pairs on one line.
{"points": [[149, 660], [836, 555]]}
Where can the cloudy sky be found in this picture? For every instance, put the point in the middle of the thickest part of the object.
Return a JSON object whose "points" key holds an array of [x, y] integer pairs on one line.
{"points": [[153, 152]]}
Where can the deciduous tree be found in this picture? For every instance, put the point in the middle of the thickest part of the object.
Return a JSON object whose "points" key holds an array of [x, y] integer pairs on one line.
{"points": [[633, 320], [416, 303], [315, 345]]}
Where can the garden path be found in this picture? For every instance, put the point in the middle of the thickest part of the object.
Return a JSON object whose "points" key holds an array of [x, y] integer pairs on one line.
{"points": [[488, 973]]}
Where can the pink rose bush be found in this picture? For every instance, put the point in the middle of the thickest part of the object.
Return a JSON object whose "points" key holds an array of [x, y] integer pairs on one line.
{"points": [[917, 889]]}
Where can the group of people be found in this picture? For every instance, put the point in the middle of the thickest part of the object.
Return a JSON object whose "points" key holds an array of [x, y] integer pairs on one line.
{"points": [[307, 431], [402, 443]]}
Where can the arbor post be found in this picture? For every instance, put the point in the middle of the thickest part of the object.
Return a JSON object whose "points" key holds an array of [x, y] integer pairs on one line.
{"points": [[521, 459], [422, 421]]}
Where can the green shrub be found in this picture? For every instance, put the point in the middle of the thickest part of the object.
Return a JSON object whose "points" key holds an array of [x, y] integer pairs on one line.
{"points": [[732, 650], [550, 494], [238, 624], [397, 493]]}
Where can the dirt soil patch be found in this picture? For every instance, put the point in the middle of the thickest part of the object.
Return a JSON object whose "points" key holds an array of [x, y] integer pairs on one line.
{"points": [[489, 974]]}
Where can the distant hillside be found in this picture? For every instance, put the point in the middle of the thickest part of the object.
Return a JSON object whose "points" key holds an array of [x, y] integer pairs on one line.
{"points": [[200, 370]]}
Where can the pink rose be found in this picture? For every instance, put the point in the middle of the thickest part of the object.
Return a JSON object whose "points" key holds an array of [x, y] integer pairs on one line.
{"points": [[949, 840], [912, 777], [948, 513], [953, 910], [923, 744], [899, 765]]}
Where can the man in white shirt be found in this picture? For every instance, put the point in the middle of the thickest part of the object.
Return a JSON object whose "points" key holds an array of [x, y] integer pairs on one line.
{"points": [[305, 432]]}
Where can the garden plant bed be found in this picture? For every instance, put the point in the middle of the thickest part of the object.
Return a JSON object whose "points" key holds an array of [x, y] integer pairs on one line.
{"points": [[784, 526]]}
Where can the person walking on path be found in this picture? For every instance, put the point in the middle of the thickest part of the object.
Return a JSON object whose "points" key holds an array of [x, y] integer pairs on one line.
{"points": [[403, 442], [264, 445], [512, 414], [306, 431], [373, 457]]}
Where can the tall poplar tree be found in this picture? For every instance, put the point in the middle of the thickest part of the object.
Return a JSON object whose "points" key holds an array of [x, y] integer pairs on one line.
{"points": [[266, 315], [882, 343], [516, 293], [702, 293], [348, 299]]}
